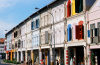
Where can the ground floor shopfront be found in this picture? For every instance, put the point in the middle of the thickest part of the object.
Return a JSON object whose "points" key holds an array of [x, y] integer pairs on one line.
{"points": [[47, 56], [75, 54], [95, 55]]}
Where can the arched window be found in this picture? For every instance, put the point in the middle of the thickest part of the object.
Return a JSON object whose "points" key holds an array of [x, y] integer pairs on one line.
{"points": [[69, 32]]}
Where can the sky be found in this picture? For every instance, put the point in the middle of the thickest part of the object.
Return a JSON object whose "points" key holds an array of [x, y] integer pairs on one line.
{"points": [[12, 12]]}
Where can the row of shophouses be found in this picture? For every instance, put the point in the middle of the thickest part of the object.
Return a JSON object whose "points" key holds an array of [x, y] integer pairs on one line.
{"points": [[67, 30]]}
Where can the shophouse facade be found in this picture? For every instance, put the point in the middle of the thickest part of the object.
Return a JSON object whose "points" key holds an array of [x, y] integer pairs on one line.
{"points": [[76, 27], [93, 34], [9, 40], [59, 32]]}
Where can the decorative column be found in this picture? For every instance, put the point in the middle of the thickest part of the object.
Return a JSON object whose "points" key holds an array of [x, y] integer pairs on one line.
{"points": [[66, 56], [17, 56], [40, 55], [32, 56], [51, 55], [21, 56]]}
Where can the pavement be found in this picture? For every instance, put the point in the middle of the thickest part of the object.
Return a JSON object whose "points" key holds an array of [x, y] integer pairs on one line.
{"points": [[1, 62]]}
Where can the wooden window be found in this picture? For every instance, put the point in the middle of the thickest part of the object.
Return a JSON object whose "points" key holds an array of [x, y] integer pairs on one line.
{"points": [[69, 30], [32, 25], [78, 6], [68, 8], [37, 23], [79, 32], [88, 33], [99, 31], [96, 31]]}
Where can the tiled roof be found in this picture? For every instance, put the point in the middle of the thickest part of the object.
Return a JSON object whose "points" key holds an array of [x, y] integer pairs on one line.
{"points": [[2, 40]]}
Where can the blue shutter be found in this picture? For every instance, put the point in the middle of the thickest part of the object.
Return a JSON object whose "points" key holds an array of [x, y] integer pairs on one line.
{"points": [[69, 31], [88, 33], [37, 23], [31, 25]]}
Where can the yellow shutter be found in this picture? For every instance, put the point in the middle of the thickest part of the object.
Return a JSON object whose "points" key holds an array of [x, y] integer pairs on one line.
{"points": [[73, 7]]}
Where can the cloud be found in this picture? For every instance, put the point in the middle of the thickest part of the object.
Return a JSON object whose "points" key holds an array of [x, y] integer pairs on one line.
{"points": [[7, 3]]}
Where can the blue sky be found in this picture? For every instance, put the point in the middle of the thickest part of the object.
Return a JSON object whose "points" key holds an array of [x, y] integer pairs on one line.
{"points": [[12, 12]]}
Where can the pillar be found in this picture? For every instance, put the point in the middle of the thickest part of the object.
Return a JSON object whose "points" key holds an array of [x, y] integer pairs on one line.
{"points": [[96, 61], [40, 55], [11, 56], [88, 55], [66, 56], [51, 55], [17, 56], [74, 56], [21, 56], [14, 55], [32, 56], [26, 56], [59, 56], [85, 55], [6, 56]]}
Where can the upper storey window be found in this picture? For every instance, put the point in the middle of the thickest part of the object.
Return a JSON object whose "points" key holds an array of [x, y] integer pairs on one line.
{"points": [[32, 25], [37, 23], [94, 33], [69, 30], [74, 6], [15, 34], [79, 32]]}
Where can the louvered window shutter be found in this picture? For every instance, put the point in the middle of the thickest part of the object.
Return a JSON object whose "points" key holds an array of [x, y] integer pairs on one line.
{"points": [[88, 33], [92, 29], [99, 31], [46, 37], [77, 30], [68, 8], [32, 26], [81, 31]]}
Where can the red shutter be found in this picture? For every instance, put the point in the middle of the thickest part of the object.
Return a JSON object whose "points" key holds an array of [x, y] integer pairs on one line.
{"points": [[81, 32], [77, 29], [68, 8]]}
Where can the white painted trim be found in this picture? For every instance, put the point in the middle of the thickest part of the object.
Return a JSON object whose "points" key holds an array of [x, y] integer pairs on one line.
{"points": [[58, 45], [23, 49], [35, 48], [76, 44], [45, 47], [95, 47]]}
